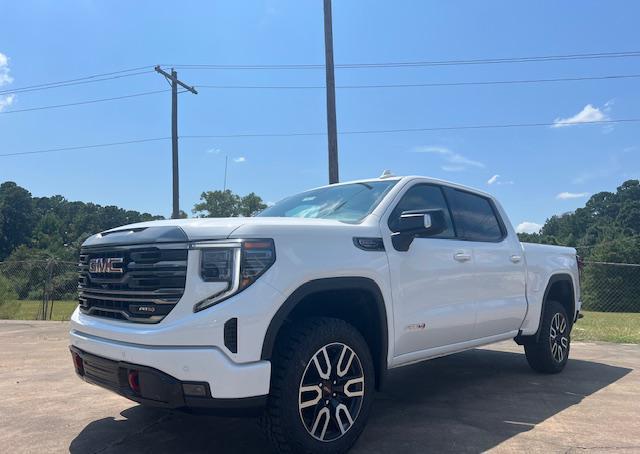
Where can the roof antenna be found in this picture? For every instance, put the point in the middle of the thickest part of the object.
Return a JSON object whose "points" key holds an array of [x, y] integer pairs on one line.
{"points": [[386, 174]]}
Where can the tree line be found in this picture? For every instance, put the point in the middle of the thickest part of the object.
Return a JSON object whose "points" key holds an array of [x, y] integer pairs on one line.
{"points": [[41, 228], [606, 229]]}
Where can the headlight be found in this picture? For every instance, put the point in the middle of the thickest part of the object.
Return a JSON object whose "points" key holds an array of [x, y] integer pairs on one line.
{"points": [[238, 263], [216, 264]]}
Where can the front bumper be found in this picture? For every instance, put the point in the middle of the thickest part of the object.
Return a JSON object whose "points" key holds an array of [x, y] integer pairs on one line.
{"points": [[182, 364], [155, 388]]}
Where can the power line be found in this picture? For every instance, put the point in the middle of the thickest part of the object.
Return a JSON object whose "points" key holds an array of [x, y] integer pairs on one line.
{"points": [[148, 68], [390, 131], [92, 76], [91, 101], [479, 61], [313, 87], [71, 82], [428, 84], [301, 134], [83, 147]]}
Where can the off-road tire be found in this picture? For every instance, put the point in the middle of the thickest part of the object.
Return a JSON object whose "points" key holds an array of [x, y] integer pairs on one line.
{"points": [[283, 421], [541, 354]]}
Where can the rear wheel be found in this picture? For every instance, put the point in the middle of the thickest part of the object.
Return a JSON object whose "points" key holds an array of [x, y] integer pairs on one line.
{"points": [[322, 388], [549, 354]]}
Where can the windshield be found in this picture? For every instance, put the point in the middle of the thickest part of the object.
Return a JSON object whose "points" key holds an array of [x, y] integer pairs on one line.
{"points": [[347, 202]]}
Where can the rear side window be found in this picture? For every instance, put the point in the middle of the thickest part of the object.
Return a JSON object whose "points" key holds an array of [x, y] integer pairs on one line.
{"points": [[474, 216], [423, 197]]}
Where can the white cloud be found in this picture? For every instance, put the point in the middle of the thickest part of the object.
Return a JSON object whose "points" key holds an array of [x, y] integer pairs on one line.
{"points": [[571, 195], [214, 150], [5, 77], [528, 227], [6, 101], [240, 159], [497, 180], [454, 162], [588, 114]]}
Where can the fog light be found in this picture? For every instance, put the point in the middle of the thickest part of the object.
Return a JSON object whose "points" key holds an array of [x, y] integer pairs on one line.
{"points": [[78, 363], [195, 389], [134, 381]]}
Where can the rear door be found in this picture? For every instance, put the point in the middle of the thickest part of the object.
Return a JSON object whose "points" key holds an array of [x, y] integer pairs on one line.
{"points": [[499, 263]]}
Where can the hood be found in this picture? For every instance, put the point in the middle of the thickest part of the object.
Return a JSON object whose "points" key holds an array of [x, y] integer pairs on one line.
{"points": [[180, 230]]}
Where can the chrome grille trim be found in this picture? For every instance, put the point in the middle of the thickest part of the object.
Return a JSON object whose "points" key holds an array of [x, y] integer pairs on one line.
{"points": [[151, 285]]}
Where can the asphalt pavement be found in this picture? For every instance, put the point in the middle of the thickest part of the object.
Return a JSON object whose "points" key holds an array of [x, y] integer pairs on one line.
{"points": [[481, 400]]}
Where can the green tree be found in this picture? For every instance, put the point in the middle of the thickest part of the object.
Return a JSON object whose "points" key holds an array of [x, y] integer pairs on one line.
{"points": [[27, 268], [16, 217], [218, 204], [226, 204], [606, 229], [54, 224], [251, 204]]}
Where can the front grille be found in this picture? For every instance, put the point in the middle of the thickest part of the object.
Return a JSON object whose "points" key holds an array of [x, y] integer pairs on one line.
{"points": [[146, 284]]}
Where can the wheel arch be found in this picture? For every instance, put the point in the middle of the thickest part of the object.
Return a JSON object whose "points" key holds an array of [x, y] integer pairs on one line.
{"points": [[369, 299], [560, 288]]}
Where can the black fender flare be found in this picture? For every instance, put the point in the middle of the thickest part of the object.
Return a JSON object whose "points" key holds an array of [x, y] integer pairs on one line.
{"points": [[560, 277], [325, 284]]}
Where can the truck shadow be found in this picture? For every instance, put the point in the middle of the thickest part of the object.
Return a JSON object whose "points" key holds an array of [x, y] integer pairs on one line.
{"points": [[469, 402]]}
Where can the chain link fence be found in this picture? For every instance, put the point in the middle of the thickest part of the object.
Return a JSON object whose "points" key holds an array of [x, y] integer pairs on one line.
{"points": [[47, 290], [610, 287], [38, 290]]}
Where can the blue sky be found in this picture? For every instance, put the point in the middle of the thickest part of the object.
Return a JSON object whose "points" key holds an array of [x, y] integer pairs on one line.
{"points": [[542, 171]]}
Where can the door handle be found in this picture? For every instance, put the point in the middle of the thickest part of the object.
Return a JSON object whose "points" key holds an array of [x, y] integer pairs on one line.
{"points": [[515, 258], [462, 256]]}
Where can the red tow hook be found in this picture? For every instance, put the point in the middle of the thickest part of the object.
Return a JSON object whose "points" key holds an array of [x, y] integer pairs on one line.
{"points": [[134, 381]]}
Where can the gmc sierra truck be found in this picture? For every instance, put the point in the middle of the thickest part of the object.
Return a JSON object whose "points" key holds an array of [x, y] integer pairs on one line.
{"points": [[297, 314]]}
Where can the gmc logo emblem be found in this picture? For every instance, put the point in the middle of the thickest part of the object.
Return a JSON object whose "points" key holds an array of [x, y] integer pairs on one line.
{"points": [[106, 265]]}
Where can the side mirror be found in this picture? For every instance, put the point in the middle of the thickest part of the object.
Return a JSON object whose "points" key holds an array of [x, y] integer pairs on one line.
{"points": [[417, 223]]}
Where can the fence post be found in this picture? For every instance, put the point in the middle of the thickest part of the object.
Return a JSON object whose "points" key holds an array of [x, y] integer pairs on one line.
{"points": [[47, 289], [41, 314], [53, 264]]}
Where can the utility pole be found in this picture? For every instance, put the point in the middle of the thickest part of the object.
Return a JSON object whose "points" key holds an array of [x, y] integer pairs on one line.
{"points": [[173, 79], [332, 133]]}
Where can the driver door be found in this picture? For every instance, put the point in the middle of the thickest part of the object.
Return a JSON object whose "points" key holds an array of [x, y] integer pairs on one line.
{"points": [[432, 282]]}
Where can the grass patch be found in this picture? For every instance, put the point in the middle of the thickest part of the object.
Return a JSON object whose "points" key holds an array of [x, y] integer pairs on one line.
{"points": [[621, 327], [30, 309]]}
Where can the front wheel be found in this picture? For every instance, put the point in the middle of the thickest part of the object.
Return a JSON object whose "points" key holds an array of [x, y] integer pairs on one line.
{"points": [[549, 354], [322, 388]]}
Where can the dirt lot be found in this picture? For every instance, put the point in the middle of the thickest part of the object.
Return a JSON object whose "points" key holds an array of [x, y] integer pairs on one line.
{"points": [[486, 399]]}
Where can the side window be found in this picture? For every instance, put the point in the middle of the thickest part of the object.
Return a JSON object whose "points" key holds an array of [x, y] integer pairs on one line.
{"points": [[423, 197], [474, 216]]}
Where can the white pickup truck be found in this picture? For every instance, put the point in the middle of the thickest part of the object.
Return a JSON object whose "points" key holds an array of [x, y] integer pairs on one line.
{"points": [[300, 312]]}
